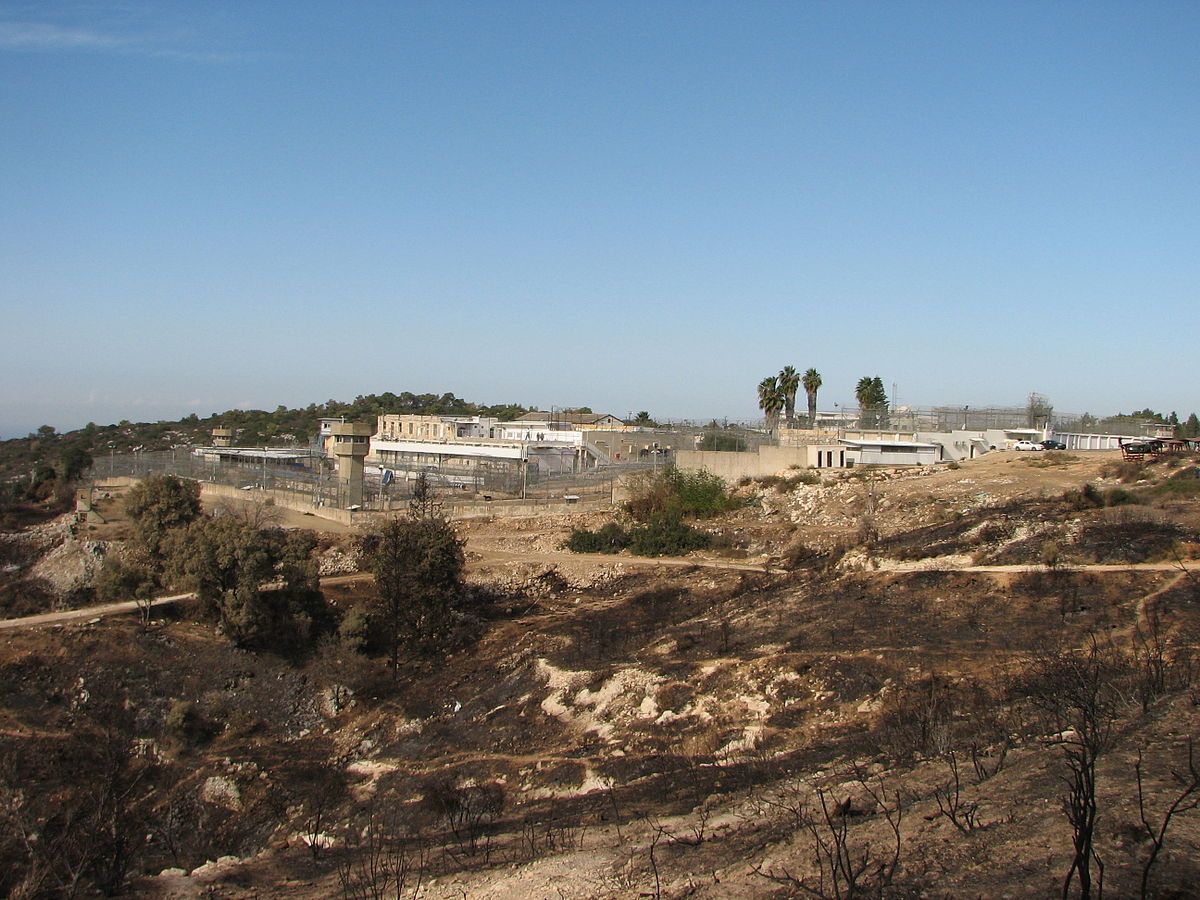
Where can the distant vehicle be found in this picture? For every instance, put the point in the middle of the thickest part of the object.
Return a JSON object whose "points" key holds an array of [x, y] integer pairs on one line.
{"points": [[1053, 445], [1027, 445]]}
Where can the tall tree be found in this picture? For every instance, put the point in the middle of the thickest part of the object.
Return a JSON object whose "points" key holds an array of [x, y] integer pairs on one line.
{"points": [[879, 395], [1039, 410], [872, 402], [226, 561], [159, 504], [789, 383], [418, 566], [770, 400], [812, 384]]}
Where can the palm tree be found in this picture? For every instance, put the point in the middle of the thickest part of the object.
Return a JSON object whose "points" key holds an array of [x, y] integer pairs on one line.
{"points": [[812, 383], [862, 393], [770, 400], [872, 402], [789, 383]]}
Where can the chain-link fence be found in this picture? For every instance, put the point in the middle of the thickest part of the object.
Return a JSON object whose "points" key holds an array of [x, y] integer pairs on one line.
{"points": [[304, 478]]}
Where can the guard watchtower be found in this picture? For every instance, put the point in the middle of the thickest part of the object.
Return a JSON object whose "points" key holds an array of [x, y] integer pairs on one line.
{"points": [[351, 441], [222, 437]]}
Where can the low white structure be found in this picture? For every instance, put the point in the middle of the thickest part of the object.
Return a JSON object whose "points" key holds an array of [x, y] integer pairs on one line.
{"points": [[537, 433], [886, 452], [1082, 441]]}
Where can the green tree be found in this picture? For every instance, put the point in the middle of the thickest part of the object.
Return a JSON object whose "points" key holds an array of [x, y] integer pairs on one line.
{"points": [[770, 400], [812, 384], [226, 562], [156, 506], [879, 395], [872, 402], [643, 419], [75, 461], [118, 580], [1191, 428], [418, 568], [789, 383], [424, 502]]}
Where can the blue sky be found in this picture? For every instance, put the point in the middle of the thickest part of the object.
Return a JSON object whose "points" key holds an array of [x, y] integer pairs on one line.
{"points": [[625, 205]]}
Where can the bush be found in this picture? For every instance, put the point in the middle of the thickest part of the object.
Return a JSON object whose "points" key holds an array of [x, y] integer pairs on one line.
{"points": [[784, 483], [354, 632], [1183, 484], [418, 568], [158, 505], [1126, 471], [1086, 497], [697, 494], [118, 580], [1119, 497], [184, 721], [666, 534], [609, 538]]}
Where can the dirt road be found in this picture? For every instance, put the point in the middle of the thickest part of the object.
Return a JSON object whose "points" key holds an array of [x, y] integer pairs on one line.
{"points": [[89, 613]]}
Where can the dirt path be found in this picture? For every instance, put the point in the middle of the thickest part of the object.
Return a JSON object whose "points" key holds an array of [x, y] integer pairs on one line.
{"points": [[895, 566], [487, 555], [491, 554], [126, 606]]}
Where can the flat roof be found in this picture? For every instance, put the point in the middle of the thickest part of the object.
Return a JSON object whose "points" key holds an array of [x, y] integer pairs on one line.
{"points": [[902, 445]]}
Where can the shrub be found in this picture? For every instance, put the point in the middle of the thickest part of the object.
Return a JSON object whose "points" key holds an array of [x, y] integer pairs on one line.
{"points": [[609, 538], [354, 632], [1119, 497], [953, 464], [698, 494], [1126, 471], [701, 494], [1183, 484], [797, 554], [1086, 497], [118, 580], [783, 483], [666, 534], [184, 721], [159, 505], [418, 568]]}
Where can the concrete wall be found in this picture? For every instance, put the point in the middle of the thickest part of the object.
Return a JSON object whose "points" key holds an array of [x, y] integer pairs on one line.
{"points": [[285, 499], [753, 464], [802, 437], [1077, 441], [882, 456], [957, 445], [626, 445], [473, 509]]}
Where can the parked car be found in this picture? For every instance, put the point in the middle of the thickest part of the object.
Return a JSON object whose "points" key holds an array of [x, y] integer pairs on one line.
{"points": [[1027, 445], [1053, 445]]}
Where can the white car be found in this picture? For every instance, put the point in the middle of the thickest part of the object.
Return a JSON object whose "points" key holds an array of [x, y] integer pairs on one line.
{"points": [[1027, 445]]}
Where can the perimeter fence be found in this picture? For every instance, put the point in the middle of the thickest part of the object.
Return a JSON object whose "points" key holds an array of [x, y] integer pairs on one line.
{"points": [[310, 480]]}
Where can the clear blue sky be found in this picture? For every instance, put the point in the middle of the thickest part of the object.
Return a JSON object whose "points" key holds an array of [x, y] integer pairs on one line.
{"points": [[624, 205]]}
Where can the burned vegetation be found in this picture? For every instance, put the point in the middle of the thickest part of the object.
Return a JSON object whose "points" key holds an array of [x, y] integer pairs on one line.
{"points": [[852, 724]]}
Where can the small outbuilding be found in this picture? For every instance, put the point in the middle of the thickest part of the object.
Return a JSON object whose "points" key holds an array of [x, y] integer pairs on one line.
{"points": [[884, 452]]}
